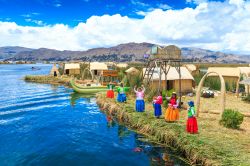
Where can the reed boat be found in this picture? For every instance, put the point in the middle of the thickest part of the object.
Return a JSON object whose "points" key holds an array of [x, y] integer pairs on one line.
{"points": [[90, 89]]}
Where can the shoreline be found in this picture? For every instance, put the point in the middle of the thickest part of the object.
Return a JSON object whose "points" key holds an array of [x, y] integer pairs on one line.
{"points": [[204, 148], [124, 114]]}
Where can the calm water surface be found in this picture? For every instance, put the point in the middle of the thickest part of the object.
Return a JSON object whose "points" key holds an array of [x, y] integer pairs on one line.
{"points": [[51, 125]]}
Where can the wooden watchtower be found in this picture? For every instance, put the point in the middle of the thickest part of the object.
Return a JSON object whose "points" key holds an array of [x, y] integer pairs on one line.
{"points": [[160, 60]]}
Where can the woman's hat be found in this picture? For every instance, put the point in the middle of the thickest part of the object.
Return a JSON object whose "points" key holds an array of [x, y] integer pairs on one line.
{"points": [[191, 103]]}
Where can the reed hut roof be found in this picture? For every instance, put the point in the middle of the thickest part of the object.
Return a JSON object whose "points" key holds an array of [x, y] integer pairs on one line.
{"points": [[110, 63], [245, 71], [172, 74], [132, 70], [168, 52], [54, 69], [122, 65], [98, 66], [245, 82], [72, 66], [191, 67], [224, 71]]}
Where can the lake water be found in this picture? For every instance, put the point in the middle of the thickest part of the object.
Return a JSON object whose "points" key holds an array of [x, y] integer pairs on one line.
{"points": [[51, 125]]}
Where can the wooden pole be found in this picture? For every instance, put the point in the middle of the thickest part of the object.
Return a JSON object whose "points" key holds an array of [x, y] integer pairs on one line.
{"points": [[247, 89], [237, 87], [159, 89], [180, 94]]}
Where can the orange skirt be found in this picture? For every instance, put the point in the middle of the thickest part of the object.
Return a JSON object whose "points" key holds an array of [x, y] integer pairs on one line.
{"points": [[110, 94], [172, 114]]}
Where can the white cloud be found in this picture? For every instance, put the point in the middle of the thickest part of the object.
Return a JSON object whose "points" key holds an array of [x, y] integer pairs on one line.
{"points": [[30, 15], [139, 3], [26, 15], [38, 22], [57, 3], [163, 6], [141, 13], [196, 1], [222, 26]]}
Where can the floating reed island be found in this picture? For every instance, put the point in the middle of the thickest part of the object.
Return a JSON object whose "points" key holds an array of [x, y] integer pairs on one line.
{"points": [[47, 79], [213, 145]]}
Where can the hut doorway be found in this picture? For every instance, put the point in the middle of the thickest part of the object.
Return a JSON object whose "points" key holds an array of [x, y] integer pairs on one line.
{"points": [[95, 72], [170, 84], [67, 71], [55, 74], [223, 91]]}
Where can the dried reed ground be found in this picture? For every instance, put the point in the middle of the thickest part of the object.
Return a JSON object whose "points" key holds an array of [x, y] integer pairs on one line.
{"points": [[214, 145], [46, 79]]}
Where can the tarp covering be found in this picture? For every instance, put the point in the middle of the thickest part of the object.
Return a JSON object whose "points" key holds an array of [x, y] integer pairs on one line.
{"points": [[245, 82]]}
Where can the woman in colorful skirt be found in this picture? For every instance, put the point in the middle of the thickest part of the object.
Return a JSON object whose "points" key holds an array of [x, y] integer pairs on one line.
{"points": [[172, 112], [121, 97], [157, 105], [110, 92], [192, 126], [139, 104]]}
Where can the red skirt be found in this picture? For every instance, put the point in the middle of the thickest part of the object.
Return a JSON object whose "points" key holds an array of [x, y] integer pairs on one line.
{"points": [[192, 126], [110, 94]]}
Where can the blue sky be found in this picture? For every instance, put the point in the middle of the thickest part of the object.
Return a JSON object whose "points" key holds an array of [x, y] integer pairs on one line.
{"points": [[72, 12], [219, 25]]}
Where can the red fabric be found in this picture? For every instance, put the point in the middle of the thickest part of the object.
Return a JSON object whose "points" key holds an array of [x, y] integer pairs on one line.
{"points": [[173, 101], [110, 94], [158, 100], [192, 126]]}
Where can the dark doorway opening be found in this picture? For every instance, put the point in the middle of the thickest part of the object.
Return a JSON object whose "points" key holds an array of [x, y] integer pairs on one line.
{"points": [[55, 75], [95, 72], [170, 84]]}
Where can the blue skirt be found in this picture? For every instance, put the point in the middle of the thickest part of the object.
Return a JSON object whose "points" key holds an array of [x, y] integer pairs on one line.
{"points": [[121, 97], [140, 105], [157, 108]]}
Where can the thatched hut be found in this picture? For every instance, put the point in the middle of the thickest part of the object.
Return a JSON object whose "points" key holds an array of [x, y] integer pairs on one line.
{"points": [[245, 71], [72, 69], [97, 67], [231, 75], [246, 82], [191, 68], [245, 75], [54, 71], [122, 65], [171, 80], [132, 71]]}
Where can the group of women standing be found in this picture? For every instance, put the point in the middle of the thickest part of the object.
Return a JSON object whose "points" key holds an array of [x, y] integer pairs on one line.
{"points": [[172, 112]]}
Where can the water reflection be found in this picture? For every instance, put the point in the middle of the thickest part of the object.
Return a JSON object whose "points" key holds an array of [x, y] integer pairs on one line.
{"points": [[110, 122], [76, 96], [123, 132], [157, 155]]}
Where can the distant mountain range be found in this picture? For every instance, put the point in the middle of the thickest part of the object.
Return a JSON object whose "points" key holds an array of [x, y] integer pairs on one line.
{"points": [[121, 53]]}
